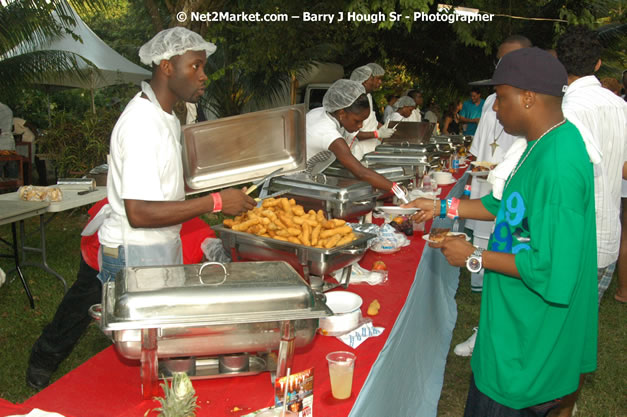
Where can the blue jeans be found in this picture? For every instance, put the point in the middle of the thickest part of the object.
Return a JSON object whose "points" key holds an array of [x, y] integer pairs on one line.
{"points": [[110, 265]]}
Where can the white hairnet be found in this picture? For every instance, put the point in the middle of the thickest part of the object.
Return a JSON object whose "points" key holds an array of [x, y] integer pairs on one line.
{"points": [[404, 101], [171, 42], [342, 94], [377, 70], [361, 74]]}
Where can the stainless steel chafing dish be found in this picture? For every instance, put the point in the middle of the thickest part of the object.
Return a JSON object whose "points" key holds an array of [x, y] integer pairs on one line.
{"points": [[410, 132], [399, 174], [312, 261], [239, 149], [340, 198], [420, 148], [209, 320], [398, 159]]}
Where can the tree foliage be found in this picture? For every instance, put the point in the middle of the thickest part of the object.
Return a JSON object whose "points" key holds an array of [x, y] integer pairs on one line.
{"points": [[27, 24]]}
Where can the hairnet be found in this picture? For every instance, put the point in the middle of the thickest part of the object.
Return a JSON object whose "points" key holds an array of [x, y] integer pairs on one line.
{"points": [[361, 74], [404, 101], [342, 94], [377, 70], [171, 42]]}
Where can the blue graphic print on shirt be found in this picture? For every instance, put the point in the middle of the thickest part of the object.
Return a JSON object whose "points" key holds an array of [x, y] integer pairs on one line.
{"points": [[510, 226]]}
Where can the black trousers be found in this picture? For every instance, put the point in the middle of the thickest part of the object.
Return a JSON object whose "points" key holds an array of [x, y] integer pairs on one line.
{"points": [[480, 405], [70, 321]]}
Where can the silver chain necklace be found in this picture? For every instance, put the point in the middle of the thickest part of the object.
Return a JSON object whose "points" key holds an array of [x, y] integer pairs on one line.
{"points": [[530, 150]]}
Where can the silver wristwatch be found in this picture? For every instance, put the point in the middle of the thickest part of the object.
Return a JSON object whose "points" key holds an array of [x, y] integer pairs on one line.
{"points": [[474, 263]]}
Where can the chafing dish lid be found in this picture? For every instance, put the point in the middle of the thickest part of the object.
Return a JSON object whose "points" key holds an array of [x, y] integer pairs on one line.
{"points": [[390, 172], [324, 187], [415, 132], [243, 148], [422, 148], [172, 296], [389, 158]]}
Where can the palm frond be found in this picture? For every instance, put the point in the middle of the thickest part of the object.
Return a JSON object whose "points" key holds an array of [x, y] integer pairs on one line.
{"points": [[612, 32], [38, 66]]}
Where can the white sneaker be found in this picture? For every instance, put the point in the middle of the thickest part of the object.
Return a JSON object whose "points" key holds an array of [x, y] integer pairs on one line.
{"points": [[466, 348]]}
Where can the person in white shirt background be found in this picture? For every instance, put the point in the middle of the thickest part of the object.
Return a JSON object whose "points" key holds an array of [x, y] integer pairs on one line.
{"points": [[591, 107], [490, 144], [8, 169], [372, 132], [403, 109], [416, 115], [331, 127], [389, 108]]}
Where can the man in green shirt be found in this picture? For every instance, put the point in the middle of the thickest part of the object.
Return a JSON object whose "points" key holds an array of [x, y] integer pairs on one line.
{"points": [[538, 310]]}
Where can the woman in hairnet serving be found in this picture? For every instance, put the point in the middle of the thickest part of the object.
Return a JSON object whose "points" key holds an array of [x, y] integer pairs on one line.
{"points": [[403, 108], [330, 127]]}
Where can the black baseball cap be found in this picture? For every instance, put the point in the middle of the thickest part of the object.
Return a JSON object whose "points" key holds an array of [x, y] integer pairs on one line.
{"points": [[530, 69]]}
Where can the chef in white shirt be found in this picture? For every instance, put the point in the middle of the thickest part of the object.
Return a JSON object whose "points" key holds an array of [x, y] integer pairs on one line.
{"points": [[372, 132], [332, 126], [404, 106]]}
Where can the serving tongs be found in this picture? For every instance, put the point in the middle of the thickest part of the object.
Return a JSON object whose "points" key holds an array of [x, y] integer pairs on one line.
{"points": [[256, 184]]}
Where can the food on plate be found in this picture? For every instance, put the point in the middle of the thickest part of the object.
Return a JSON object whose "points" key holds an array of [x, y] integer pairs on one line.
{"points": [[405, 226], [35, 193], [283, 219], [379, 266], [438, 234], [482, 166], [373, 308]]}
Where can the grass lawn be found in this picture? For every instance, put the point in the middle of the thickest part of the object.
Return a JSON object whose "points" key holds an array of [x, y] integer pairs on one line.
{"points": [[603, 393]]}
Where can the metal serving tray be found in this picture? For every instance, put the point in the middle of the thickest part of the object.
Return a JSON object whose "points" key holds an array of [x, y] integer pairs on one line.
{"points": [[422, 148], [338, 197], [316, 261], [238, 149], [192, 296], [393, 173], [412, 132], [397, 158]]}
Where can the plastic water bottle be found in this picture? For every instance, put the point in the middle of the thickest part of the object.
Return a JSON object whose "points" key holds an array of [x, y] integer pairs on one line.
{"points": [[455, 162]]}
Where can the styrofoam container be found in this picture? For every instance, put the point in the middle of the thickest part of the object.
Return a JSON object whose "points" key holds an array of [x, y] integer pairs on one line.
{"points": [[346, 312]]}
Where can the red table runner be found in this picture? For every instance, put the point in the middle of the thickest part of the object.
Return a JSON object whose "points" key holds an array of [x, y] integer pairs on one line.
{"points": [[108, 385]]}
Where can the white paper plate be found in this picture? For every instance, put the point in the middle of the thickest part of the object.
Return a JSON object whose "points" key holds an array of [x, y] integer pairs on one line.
{"points": [[342, 302], [426, 236], [448, 183], [397, 210]]}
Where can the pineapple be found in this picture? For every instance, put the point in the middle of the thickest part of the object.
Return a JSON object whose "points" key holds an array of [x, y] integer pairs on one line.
{"points": [[179, 399]]}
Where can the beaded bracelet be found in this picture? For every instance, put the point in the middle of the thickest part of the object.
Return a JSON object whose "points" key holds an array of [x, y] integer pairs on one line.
{"points": [[434, 207]]}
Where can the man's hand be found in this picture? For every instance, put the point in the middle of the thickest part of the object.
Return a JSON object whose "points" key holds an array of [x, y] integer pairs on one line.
{"points": [[455, 249], [235, 201], [426, 209]]}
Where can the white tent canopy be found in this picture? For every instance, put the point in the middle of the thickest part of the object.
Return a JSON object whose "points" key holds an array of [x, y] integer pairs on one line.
{"points": [[110, 67]]}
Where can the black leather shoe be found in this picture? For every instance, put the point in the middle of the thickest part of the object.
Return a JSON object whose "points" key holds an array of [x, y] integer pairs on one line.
{"points": [[38, 378]]}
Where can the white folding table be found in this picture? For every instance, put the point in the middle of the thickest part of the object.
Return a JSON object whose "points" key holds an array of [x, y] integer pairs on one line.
{"points": [[73, 196]]}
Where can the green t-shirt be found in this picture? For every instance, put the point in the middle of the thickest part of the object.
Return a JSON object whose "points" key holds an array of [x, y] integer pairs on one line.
{"points": [[538, 333]]}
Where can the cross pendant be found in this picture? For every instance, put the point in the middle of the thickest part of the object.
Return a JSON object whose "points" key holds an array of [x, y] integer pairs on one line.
{"points": [[494, 145]]}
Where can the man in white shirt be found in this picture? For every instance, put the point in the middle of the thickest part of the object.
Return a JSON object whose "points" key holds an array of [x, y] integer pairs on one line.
{"points": [[145, 181], [416, 115], [603, 115], [372, 132]]}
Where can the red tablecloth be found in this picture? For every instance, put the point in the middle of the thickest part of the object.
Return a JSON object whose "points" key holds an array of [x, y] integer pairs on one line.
{"points": [[109, 385]]}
